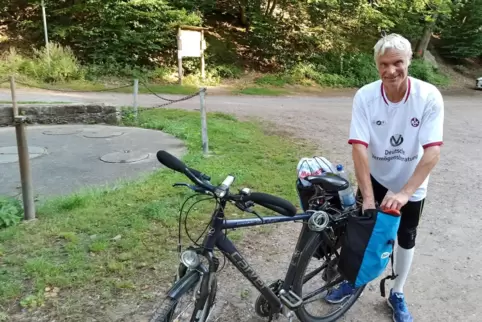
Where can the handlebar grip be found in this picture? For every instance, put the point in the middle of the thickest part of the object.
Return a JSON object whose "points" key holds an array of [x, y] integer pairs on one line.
{"points": [[274, 203], [171, 161]]}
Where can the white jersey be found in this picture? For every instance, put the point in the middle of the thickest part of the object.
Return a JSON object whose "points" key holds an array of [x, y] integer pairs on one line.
{"points": [[396, 134]]}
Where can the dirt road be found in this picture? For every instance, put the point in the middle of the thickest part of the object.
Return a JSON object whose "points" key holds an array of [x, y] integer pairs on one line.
{"points": [[446, 279]]}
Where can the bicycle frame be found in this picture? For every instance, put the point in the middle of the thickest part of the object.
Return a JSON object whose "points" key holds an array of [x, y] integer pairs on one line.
{"points": [[216, 238]]}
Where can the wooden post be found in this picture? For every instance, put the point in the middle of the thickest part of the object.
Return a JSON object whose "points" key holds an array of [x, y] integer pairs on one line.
{"points": [[202, 55], [14, 96], [179, 55], [136, 91], [204, 124], [23, 158]]}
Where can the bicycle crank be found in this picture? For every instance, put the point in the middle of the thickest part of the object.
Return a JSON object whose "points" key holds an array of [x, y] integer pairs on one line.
{"points": [[261, 306]]}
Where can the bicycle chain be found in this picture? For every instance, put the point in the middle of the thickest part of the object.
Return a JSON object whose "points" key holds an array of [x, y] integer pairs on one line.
{"points": [[180, 99], [70, 90]]}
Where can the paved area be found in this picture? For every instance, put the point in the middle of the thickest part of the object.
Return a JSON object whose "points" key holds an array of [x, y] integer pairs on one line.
{"points": [[446, 280], [66, 158]]}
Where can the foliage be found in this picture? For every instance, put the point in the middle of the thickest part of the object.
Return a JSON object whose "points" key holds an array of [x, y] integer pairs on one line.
{"points": [[462, 34], [425, 71], [113, 32], [11, 212], [325, 42], [59, 66]]}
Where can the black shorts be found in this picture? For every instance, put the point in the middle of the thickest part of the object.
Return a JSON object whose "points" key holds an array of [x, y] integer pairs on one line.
{"points": [[411, 213]]}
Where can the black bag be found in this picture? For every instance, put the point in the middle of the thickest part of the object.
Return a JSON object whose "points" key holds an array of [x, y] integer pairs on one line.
{"points": [[368, 246]]}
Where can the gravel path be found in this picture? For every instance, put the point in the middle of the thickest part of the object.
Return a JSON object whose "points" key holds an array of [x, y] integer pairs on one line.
{"points": [[446, 278]]}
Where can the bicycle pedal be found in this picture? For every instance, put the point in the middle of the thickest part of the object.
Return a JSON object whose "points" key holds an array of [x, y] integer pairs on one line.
{"points": [[290, 299]]}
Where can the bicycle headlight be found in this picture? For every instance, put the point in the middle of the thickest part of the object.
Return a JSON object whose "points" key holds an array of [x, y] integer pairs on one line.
{"points": [[190, 258]]}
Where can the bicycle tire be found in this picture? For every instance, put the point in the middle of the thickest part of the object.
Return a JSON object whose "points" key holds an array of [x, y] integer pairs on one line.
{"points": [[165, 310], [305, 258]]}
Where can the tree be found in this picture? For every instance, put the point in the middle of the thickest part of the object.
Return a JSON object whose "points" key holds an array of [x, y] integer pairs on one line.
{"points": [[462, 35]]}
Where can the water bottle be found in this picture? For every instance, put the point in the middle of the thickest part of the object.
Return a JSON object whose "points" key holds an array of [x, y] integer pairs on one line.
{"points": [[347, 196]]}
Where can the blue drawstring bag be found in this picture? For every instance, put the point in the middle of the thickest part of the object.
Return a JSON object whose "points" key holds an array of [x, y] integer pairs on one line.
{"points": [[368, 246]]}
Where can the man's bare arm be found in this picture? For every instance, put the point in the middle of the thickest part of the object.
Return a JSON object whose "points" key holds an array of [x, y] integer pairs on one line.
{"points": [[431, 156], [362, 173]]}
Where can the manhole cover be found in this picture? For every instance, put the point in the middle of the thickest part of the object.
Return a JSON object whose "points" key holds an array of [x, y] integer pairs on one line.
{"points": [[65, 131], [124, 157], [9, 154], [102, 134]]}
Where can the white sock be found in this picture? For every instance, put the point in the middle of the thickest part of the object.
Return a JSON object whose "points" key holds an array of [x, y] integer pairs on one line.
{"points": [[403, 262]]}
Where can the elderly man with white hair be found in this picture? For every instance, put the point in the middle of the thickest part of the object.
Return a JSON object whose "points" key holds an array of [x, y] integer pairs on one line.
{"points": [[396, 133]]}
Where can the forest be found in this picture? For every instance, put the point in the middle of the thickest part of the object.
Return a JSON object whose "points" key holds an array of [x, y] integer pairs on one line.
{"points": [[325, 42]]}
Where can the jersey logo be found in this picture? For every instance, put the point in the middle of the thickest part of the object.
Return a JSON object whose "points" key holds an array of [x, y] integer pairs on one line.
{"points": [[396, 140], [379, 122], [415, 122]]}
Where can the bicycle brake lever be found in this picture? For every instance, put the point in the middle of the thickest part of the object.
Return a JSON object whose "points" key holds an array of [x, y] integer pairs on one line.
{"points": [[190, 186], [177, 184]]}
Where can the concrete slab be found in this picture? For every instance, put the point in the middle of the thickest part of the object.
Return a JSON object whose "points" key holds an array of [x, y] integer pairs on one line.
{"points": [[65, 158]]}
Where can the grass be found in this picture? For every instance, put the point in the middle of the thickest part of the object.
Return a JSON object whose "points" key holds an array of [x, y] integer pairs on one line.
{"points": [[266, 91], [97, 247]]}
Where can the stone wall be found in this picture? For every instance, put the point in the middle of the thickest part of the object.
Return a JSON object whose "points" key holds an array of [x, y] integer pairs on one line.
{"points": [[61, 113]]}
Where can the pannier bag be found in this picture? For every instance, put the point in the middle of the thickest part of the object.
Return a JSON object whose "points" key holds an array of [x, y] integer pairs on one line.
{"points": [[368, 245]]}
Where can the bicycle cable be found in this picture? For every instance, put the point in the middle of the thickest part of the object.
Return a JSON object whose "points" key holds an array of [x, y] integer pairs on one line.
{"points": [[179, 238], [205, 229]]}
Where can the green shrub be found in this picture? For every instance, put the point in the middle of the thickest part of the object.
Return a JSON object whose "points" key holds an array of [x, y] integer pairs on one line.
{"points": [[59, 66], [228, 71], [425, 71], [11, 212], [10, 62], [360, 69]]}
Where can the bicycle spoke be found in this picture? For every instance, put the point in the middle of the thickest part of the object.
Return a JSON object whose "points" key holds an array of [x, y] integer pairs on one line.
{"points": [[312, 274], [322, 289]]}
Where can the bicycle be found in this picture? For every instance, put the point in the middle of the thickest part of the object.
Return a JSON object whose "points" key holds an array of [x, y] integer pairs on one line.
{"points": [[320, 238]]}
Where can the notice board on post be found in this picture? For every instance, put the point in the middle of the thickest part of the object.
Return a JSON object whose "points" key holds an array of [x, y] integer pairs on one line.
{"points": [[190, 43]]}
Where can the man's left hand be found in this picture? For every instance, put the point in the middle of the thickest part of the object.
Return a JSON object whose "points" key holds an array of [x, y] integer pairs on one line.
{"points": [[395, 201]]}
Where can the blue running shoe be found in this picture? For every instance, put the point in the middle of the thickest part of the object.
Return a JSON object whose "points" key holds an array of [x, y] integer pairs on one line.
{"points": [[338, 295], [396, 301]]}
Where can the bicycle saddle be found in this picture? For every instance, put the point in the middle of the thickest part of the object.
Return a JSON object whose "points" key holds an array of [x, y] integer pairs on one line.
{"points": [[329, 181]]}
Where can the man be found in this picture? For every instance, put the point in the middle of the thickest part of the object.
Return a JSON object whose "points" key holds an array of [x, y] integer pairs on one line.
{"points": [[396, 133]]}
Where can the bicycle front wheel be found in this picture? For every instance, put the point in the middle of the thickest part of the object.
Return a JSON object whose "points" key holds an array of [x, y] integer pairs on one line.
{"points": [[181, 308], [311, 274]]}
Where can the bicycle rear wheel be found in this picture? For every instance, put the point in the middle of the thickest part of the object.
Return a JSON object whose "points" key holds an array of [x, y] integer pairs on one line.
{"points": [[316, 271]]}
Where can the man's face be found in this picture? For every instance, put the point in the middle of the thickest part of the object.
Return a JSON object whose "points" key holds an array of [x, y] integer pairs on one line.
{"points": [[393, 68]]}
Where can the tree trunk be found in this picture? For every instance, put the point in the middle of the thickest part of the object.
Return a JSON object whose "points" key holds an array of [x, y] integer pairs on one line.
{"points": [[242, 15], [422, 44], [268, 5], [273, 6]]}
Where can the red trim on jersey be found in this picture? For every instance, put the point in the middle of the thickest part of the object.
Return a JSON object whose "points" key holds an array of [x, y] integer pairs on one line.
{"points": [[432, 144], [409, 87], [351, 141]]}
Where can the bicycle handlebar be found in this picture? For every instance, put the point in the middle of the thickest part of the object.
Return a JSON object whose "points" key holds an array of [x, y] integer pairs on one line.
{"points": [[175, 164], [274, 203]]}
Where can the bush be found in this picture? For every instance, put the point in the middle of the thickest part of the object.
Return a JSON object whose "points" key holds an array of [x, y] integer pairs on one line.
{"points": [[228, 71], [11, 212], [61, 67], [425, 71]]}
